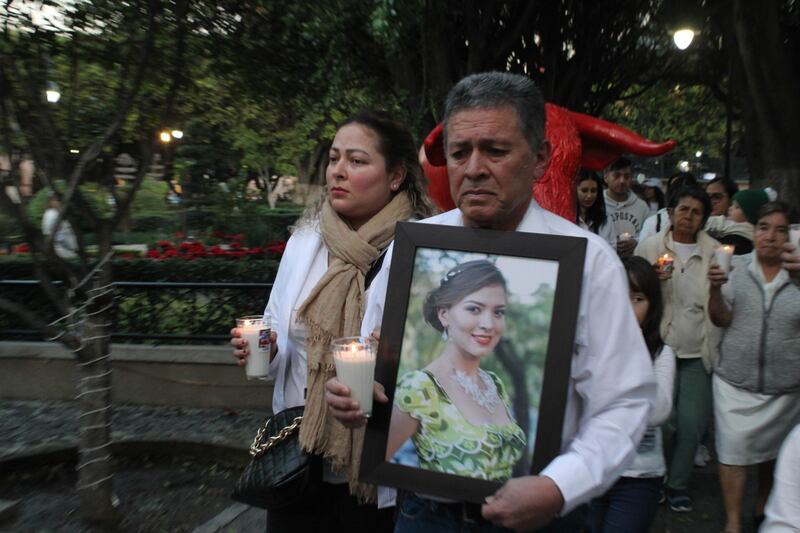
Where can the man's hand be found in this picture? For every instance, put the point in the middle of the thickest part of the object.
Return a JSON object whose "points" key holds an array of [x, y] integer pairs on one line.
{"points": [[625, 248], [344, 408], [791, 260], [524, 503]]}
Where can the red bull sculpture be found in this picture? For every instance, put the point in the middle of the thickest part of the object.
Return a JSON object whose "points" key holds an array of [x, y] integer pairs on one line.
{"points": [[577, 140]]}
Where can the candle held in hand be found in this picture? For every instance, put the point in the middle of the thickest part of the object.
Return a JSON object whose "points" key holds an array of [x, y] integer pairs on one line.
{"points": [[666, 263], [722, 256], [794, 236], [255, 330], [354, 358]]}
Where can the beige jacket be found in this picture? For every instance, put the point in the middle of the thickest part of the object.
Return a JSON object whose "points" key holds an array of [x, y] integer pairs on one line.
{"points": [[686, 325]]}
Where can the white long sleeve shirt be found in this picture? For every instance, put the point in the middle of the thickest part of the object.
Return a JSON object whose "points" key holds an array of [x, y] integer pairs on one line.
{"points": [[611, 387]]}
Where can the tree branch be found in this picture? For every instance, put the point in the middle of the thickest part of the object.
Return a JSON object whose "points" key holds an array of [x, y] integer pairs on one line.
{"points": [[47, 331]]}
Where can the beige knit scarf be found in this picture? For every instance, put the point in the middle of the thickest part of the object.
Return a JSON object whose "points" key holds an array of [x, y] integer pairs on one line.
{"points": [[335, 309]]}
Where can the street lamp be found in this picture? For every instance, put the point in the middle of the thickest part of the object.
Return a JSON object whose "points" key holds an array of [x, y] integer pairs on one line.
{"points": [[177, 134], [52, 93], [165, 137], [683, 38]]}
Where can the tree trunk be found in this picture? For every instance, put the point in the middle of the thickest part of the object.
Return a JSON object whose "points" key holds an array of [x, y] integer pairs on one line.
{"points": [[769, 88], [95, 472]]}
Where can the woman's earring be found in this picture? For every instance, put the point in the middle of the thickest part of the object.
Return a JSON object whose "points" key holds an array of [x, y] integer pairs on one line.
{"points": [[445, 336]]}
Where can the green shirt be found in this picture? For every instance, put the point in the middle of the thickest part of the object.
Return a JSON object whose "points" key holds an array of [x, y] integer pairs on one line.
{"points": [[447, 442]]}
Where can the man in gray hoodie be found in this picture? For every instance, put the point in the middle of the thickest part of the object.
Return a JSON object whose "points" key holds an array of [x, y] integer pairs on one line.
{"points": [[624, 209]]}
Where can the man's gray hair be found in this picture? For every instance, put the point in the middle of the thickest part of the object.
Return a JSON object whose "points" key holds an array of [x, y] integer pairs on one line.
{"points": [[500, 89]]}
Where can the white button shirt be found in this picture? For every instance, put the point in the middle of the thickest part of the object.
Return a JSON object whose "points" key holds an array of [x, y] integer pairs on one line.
{"points": [[611, 386]]}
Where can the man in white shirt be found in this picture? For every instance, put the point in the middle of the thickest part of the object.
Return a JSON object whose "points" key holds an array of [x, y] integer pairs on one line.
{"points": [[495, 149], [624, 209]]}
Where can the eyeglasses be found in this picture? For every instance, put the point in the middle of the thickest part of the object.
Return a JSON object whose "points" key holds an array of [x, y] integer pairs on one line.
{"points": [[717, 195]]}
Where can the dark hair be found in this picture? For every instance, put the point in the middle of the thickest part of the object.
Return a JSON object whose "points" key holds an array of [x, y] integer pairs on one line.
{"points": [[459, 282], [660, 198], [498, 89], [730, 186], [596, 214], [398, 148], [770, 208], [642, 278], [692, 192], [622, 162]]}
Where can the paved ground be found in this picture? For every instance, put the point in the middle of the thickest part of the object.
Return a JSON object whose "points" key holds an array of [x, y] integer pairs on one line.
{"points": [[26, 423]]}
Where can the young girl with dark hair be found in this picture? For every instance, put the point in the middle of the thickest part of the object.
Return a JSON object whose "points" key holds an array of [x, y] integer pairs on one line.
{"points": [[590, 207], [630, 504]]}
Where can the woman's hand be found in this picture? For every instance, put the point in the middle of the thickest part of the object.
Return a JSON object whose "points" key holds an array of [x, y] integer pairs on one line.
{"points": [[716, 276], [344, 408], [662, 274], [241, 350]]}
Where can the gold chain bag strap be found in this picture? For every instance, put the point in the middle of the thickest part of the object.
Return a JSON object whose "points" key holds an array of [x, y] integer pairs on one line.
{"points": [[279, 473]]}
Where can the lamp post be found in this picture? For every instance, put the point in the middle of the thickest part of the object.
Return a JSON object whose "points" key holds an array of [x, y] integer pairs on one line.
{"points": [[52, 93], [683, 37]]}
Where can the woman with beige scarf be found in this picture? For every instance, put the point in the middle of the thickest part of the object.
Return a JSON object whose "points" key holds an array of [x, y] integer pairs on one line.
{"points": [[319, 294]]}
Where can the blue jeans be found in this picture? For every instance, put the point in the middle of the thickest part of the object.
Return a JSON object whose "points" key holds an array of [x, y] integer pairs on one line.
{"points": [[421, 515], [629, 506]]}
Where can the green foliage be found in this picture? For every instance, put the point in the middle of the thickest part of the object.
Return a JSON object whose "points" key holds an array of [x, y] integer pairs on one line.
{"points": [[692, 115]]}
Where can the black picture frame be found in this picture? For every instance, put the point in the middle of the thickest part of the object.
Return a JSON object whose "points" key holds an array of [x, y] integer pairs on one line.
{"points": [[412, 239]]}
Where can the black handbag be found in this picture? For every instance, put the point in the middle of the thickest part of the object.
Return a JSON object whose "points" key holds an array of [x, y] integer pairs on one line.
{"points": [[280, 472]]}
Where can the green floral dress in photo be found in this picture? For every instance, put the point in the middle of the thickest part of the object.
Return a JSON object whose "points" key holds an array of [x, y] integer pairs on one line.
{"points": [[447, 442]]}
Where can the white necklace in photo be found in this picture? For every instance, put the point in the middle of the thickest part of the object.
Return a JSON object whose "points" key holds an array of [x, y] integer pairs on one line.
{"points": [[487, 396]]}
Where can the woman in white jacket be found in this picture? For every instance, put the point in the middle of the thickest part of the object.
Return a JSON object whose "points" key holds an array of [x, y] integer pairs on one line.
{"points": [[631, 503], [590, 209], [320, 292]]}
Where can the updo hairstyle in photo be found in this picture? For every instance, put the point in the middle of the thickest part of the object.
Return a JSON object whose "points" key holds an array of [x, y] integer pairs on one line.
{"points": [[459, 282]]}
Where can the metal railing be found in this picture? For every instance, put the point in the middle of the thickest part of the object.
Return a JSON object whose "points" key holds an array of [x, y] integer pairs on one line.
{"points": [[152, 312]]}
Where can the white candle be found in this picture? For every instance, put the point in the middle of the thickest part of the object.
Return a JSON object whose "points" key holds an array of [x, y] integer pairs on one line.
{"points": [[355, 367], [722, 256], [794, 236], [625, 236], [255, 330]]}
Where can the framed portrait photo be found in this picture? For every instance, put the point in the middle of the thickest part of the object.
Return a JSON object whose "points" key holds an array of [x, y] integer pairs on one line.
{"points": [[475, 352]]}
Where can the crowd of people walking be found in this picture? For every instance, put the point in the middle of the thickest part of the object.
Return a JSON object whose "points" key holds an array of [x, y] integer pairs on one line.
{"points": [[671, 336]]}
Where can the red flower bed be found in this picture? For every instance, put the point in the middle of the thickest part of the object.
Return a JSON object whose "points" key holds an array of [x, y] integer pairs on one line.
{"points": [[234, 249]]}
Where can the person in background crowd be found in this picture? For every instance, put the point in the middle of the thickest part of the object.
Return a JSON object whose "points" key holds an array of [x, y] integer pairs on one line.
{"points": [[756, 379], [495, 149], [64, 242], [625, 210], [590, 208], [631, 503], [373, 180], [660, 220], [721, 191], [737, 227], [653, 195], [687, 328], [783, 507]]}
